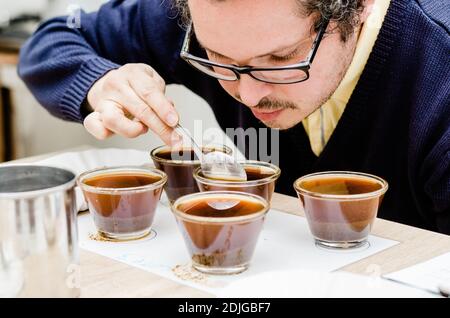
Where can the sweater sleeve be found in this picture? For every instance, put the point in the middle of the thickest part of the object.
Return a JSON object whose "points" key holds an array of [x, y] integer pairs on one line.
{"points": [[63, 59]]}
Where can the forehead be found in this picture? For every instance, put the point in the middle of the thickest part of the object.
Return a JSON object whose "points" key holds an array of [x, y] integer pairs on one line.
{"points": [[242, 29]]}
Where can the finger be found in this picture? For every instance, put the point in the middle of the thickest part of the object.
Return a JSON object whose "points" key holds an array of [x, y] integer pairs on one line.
{"points": [[166, 133], [133, 104], [93, 124], [114, 118], [149, 71], [152, 93]]}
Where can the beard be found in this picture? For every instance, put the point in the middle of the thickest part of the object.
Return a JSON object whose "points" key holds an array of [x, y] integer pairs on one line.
{"points": [[300, 110], [267, 104]]}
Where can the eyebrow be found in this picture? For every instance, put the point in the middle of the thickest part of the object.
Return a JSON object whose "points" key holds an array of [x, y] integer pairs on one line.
{"points": [[273, 52]]}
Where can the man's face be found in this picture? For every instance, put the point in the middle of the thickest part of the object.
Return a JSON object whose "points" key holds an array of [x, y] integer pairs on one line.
{"points": [[268, 33]]}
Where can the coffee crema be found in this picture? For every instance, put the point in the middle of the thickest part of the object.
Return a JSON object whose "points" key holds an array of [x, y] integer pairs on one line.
{"points": [[261, 178], [206, 208], [253, 173], [179, 166], [188, 155], [121, 180], [340, 185], [182, 154]]}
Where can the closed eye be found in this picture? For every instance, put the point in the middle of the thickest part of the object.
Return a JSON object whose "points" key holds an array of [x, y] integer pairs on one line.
{"points": [[284, 58], [217, 57]]}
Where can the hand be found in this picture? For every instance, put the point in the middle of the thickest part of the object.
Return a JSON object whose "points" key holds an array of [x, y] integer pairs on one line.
{"points": [[129, 100]]}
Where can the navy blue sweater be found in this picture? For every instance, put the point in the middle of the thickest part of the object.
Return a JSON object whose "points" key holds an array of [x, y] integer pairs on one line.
{"points": [[396, 124]]}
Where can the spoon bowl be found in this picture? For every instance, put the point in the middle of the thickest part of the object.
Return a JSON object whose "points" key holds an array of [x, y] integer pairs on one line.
{"points": [[215, 164]]}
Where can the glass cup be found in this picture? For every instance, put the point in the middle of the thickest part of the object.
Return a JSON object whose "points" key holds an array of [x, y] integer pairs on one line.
{"points": [[122, 200], [220, 228], [261, 178], [179, 166], [340, 206]]}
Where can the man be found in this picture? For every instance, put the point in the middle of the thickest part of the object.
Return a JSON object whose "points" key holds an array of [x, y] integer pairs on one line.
{"points": [[345, 93]]}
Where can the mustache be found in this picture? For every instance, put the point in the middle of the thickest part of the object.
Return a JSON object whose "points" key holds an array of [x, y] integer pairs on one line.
{"points": [[267, 104]]}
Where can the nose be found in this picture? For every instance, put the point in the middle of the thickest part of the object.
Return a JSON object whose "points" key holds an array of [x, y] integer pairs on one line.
{"points": [[252, 91]]}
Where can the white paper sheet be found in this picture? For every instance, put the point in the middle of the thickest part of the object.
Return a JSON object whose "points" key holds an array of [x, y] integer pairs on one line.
{"points": [[307, 284], [284, 244], [81, 161], [433, 274]]}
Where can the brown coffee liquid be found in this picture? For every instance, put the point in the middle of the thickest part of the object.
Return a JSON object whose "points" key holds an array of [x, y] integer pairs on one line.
{"points": [[340, 185], [221, 244], [206, 207], [123, 212], [187, 155], [179, 175], [253, 173], [125, 180], [340, 221], [264, 190]]}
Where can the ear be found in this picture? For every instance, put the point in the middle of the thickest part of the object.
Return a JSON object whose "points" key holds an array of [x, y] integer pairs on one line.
{"points": [[368, 6]]}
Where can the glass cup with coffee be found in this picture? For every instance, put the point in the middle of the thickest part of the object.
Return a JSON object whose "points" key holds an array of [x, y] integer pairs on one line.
{"points": [[220, 228], [340, 206], [179, 165], [122, 200], [261, 178]]}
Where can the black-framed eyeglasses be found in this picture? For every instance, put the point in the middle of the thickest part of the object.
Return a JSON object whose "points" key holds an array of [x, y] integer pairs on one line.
{"points": [[288, 74]]}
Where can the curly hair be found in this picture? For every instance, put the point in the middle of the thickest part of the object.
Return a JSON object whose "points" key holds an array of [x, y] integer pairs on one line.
{"points": [[345, 13]]}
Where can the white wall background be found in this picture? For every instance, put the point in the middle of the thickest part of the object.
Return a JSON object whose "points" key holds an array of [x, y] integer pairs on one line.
{"points": [[37, 132]]}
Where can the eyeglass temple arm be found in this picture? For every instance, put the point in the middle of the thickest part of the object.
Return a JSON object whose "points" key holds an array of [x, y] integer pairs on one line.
{"points": [[187, 39], [317, 40]]}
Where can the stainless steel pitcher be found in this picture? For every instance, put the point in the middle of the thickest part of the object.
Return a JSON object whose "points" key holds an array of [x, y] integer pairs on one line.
{"points": [[38, 232]]}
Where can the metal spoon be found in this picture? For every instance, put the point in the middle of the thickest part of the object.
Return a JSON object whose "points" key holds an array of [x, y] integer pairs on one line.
{"points": [[215, 164]]}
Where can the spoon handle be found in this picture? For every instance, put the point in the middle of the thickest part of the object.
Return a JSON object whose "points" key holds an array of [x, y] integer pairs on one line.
{"points": [[186, 134]]}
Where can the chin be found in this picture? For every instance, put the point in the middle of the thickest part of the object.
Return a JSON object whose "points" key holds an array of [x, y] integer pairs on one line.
{"points": [[277, 124]]}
